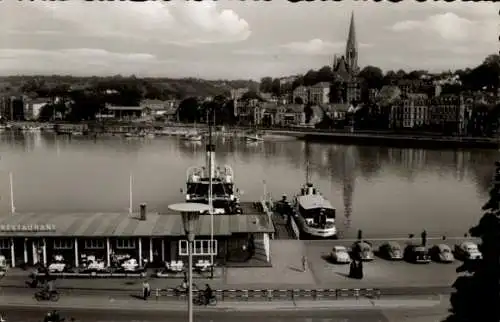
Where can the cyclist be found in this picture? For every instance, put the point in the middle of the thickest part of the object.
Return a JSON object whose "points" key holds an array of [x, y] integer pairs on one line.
{"points": [[208, 294]]}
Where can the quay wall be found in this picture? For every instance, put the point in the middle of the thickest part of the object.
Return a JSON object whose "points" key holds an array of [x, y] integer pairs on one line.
{"points": [[404, 141]]}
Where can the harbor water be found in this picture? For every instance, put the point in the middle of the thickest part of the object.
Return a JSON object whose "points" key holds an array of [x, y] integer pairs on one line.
{"points": [[386, 192]]}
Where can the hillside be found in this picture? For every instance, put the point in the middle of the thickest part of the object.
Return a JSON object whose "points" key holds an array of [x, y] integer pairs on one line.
{"points": [[159, 88]]}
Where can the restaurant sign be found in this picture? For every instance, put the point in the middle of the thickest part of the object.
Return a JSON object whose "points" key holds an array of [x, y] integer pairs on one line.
{"points": [[28, 228]]}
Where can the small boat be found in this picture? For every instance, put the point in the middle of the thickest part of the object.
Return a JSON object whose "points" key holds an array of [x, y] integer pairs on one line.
{"points": [[254, 138], [314, 214], [193, 137]]}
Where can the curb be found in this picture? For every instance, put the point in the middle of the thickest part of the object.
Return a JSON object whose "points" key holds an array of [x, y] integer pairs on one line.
{"points": [[351, 305]]}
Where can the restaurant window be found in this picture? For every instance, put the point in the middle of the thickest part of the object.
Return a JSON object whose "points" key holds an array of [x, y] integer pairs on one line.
{"points": [[200, 247], [4, 243], [125, 243], [63, 244], [94, 244]]}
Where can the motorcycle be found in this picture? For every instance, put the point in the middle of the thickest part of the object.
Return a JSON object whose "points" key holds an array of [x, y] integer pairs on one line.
{"points": [[47, 296]]}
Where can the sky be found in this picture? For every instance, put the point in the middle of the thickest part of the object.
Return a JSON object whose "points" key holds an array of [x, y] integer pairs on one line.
{"points": [[231, 39]]}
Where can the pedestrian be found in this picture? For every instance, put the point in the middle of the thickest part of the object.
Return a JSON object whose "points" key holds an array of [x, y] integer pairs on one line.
{"points": [[146, 290], [424, 238], [304, 263]]}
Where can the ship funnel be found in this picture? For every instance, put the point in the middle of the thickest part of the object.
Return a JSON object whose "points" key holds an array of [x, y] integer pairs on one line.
{"points": [[211, 159]]}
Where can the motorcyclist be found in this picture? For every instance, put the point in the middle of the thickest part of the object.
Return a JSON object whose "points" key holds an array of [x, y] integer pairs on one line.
{"points": [[208, 294]]}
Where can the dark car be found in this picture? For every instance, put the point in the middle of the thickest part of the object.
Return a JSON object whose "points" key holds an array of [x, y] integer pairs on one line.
{"points": [[416, 254], [363, 250], [391, 250], [441, 253]]}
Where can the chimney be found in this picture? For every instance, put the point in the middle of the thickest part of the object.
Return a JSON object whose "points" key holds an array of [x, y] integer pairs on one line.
{"points": [[143, 212], [210, 159]]}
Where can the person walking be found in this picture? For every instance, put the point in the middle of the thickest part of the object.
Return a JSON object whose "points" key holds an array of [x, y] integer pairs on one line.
{"points": [[146, 290], [304, 263]]}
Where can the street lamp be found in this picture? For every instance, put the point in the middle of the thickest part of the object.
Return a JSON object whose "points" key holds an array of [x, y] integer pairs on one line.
{"points": [[190, 213]]}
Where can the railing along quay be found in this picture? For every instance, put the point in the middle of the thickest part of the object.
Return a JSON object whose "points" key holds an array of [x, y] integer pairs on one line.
{"points": [[275, 294]]}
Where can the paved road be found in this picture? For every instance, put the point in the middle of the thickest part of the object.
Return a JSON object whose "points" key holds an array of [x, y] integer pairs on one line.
{"points": [[81, 315], [396, 291]]}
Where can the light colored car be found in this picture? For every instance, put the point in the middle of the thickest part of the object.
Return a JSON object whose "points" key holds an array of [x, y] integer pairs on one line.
{"points": [[340, 255], [467, 250], [442, 253]]}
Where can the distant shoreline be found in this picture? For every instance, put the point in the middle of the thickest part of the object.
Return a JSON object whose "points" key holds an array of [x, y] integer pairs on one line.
{"points": [[361, 137]]}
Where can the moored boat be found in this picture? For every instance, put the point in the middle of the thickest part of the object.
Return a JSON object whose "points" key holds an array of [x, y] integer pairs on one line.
{"points": [[314, 214]]}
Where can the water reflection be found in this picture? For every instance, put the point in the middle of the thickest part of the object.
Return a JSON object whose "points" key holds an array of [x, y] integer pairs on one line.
{"points": [[374, 188]]}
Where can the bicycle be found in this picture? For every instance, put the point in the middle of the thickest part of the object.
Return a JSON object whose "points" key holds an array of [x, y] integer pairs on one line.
{"points": [[200, 300], [46, 296]]}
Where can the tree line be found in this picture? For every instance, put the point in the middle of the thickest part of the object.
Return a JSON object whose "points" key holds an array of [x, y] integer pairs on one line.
{"points": [[484, 76]]}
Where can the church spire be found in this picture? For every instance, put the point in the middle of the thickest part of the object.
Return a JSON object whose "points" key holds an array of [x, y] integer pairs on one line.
{"points": [[351, 50]]}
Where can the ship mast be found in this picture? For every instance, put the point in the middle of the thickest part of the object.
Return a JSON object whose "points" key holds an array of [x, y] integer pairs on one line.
{"points": [[307, 153], [210, 152]]}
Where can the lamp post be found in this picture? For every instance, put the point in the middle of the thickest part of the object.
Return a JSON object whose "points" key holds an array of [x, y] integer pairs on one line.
{"points": [[190, 213]]}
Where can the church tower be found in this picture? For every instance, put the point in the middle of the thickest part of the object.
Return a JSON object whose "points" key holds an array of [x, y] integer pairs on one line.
{"points": [[351, 50]]}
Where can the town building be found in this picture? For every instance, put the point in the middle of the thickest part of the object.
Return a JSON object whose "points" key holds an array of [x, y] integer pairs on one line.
{"points": [[414, 111], [447, 114], [290, 115], [237, 93], [33, 107], [301, 95], [319, 93]]}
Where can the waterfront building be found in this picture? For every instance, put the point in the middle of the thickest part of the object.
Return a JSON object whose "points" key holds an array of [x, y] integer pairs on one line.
{"points": [[301, 92], [447, 114], [414, 109], [319, 93], [33, 107], [290, 115], [27, 238]]}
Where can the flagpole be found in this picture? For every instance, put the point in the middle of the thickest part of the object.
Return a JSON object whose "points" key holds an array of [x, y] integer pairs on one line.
{"points": [[130, 194], [12, 208]]}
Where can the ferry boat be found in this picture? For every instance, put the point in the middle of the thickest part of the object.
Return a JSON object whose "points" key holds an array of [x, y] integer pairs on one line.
{"points": [[314, 214], [224, 198], [224, 193]]}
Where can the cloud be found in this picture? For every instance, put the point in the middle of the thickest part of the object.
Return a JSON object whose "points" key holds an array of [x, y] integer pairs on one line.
{"points": [[448, 26], [73, 60], [185, 23], [313, 47]]}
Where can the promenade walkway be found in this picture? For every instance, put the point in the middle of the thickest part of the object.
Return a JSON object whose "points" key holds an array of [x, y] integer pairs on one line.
{"points": [[285, 273]]}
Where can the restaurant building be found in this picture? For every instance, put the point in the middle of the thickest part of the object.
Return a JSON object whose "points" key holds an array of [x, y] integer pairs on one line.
{"points": [[31, 238]]}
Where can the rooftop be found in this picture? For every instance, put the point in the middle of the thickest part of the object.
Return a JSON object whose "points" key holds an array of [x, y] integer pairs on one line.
{"points": [[126, 225]]}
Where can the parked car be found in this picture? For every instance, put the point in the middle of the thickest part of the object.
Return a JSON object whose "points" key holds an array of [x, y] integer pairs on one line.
{"points": [[363, 250], [340, 255], [467, 250], [441, 253], [416, 254], [391, 250]]}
